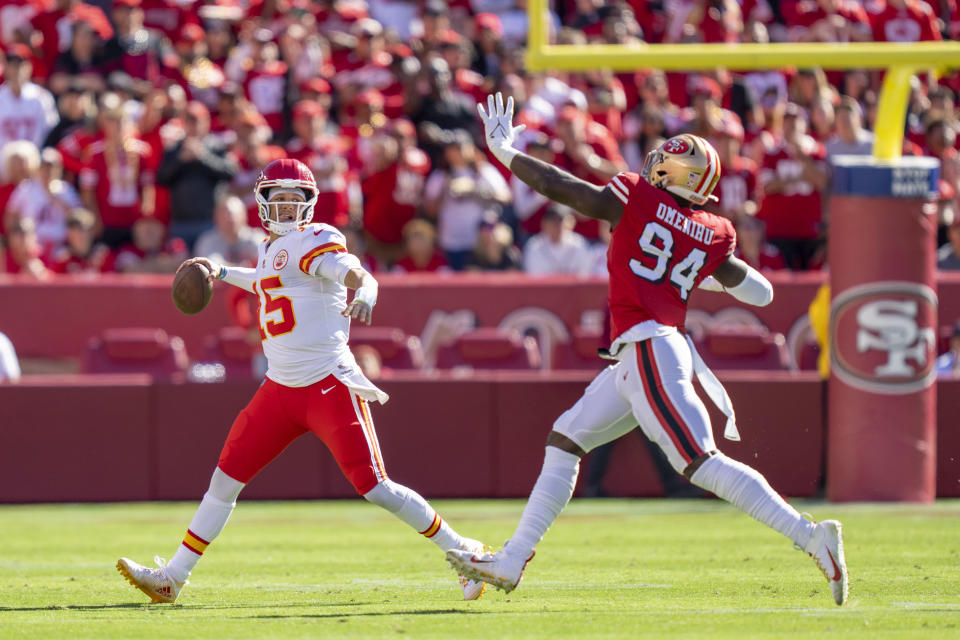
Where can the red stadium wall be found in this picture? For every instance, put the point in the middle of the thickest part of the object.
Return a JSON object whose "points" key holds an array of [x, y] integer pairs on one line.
{"points": [[95, 438], [55, 319]]}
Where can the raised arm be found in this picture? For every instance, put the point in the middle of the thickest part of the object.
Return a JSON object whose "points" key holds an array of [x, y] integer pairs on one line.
{"points": [[553, 182], [742, 281]]}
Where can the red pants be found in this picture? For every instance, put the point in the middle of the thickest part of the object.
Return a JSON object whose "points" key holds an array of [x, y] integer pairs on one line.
{"points": [[278, 415]]}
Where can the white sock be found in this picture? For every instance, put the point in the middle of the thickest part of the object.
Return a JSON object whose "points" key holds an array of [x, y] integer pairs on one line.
{"points": [[550, 495], [749, 491], [209, 520], [409, 506]]}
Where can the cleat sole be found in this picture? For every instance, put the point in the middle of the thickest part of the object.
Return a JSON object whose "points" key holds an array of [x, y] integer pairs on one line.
{"points": [[154, 598]]}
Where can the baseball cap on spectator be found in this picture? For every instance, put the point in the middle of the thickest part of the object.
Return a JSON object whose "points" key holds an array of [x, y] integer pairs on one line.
{"points": [[730, 125], [370, 97], [703, 86], [198, 110], [793, 110], [81, 218], [450, 38], [315, 85], [252, 118], [403, 128], [366, 27], [570, 113], [399, 51], [50, 156], [436, 8], [18, 52], [307, 109], [489, 21], [120, 81], [191, 34], [945, 191], [488, 220], [230, 89]]}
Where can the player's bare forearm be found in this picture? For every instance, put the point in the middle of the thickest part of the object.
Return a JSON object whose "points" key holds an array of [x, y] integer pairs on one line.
{"points": [[356, 278], [562, 187]]}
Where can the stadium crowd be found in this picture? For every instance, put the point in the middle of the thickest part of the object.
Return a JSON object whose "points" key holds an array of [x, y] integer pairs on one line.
{"points": [[132, 131]]}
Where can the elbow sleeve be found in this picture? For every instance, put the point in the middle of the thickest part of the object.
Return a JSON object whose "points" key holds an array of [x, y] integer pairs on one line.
{"points": [[755, 289]]}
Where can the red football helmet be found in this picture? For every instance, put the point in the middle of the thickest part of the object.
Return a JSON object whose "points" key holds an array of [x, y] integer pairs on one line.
{"points": [[285, 174]]}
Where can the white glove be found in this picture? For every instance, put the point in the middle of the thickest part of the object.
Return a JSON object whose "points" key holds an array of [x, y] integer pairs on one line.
{"points": [[499, 130]]}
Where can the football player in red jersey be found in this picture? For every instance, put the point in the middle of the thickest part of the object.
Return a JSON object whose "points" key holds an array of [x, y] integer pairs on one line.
{"points": [[661, 250], [313, 382]]}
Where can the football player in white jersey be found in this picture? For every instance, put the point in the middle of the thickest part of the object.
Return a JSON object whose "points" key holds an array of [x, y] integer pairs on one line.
{"points": [[312, 383]]}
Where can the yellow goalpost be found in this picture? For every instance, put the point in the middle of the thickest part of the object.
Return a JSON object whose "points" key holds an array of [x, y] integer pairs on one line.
{"points": [[900, 60]]}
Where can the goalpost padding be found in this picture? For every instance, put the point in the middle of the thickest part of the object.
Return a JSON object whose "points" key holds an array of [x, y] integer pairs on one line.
{"points": [[881, 396]]}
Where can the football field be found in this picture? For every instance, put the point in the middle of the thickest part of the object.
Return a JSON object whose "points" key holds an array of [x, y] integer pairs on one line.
{"points": [[608, 569]]}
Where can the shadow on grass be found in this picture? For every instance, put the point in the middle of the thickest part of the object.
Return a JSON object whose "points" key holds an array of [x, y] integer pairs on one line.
{"points": [[360, 614], [181, 607]]}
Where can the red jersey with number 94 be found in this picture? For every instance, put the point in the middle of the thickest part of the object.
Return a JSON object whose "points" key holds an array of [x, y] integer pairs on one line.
{"points": [[659, 253]]}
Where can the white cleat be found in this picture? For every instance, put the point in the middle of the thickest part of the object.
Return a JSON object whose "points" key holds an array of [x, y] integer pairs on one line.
{"points": [[473, 589], [826, 549], [499, 569], [159, 586]]}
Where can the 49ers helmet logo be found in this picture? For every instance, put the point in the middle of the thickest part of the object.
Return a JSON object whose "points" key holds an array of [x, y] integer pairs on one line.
{"points": [[676, 145], [882, 337], [280, 260]]}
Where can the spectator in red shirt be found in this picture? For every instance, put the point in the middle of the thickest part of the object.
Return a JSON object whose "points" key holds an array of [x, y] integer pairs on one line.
{"points": [[323, 153], [421, 253], [150, 251], [81, 253], [117, 185], [392, 182], [737, 187], [57, 22], [792, 177], [489, 45], [23, 253], [266, 82], [902, 21], [753, 248], [529, 205]]}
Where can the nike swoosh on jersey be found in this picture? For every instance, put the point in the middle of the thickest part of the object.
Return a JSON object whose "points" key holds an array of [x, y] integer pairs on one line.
{"points": [[326, 391]]}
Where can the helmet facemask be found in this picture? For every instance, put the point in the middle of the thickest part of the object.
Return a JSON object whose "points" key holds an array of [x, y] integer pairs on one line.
{"points": [[293, 210]]}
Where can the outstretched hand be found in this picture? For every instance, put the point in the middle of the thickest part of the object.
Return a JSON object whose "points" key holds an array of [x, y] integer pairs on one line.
{"points": [[213, 269], [359, 310], [499, 131]]}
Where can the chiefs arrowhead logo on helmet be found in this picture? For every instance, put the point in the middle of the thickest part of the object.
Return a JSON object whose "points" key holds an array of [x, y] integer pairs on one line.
{"points": [[285, 174], [686, 165]]}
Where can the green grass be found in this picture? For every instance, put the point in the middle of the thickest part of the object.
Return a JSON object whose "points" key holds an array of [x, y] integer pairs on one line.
{"points": [[608, 569]]}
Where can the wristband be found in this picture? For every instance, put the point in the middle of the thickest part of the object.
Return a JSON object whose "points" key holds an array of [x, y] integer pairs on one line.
{"points": [[366, 294], [504, 153], [223, 273]]}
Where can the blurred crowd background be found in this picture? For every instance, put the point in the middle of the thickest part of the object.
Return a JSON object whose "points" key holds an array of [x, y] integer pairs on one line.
{"points": [[132, 131]]}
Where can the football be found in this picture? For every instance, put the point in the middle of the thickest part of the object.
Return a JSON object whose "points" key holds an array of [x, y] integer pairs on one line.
{"points": [[191, 290]]}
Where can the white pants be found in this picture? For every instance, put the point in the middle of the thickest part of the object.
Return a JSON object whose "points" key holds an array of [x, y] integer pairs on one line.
{"points": [[651, 386]]}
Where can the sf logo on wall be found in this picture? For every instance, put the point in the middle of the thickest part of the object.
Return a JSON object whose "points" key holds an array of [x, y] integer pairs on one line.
{"points": [[883, 338]]}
